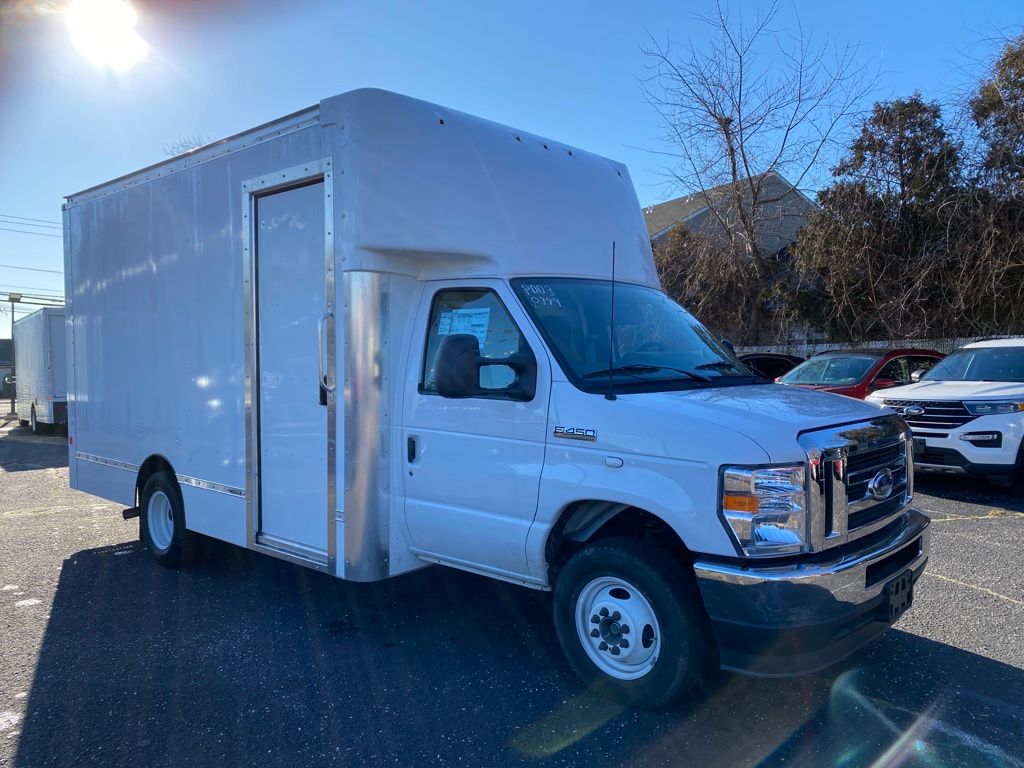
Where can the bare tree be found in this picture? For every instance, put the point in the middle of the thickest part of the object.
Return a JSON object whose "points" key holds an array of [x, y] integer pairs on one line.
{"points": [[733, 116]]}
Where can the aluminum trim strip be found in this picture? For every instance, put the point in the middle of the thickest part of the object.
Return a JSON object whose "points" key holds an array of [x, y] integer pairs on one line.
{"points": [[128, 466], [209, 485], [365, 339]]}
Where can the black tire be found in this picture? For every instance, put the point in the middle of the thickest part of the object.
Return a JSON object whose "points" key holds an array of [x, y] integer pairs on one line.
{"points": [[687, 649], [22, 423], [169, 556]]}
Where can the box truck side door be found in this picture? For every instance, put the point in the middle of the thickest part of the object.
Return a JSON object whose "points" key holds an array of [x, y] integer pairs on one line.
{"points": [[473, 464], [291, 439]]}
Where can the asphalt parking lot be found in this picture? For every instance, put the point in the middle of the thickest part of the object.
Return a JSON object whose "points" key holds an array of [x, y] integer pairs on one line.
{"points": [[241, 659]]}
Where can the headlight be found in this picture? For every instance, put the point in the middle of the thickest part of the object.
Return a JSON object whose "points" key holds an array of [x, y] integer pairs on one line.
{"points": [[766, 508], [991, 407]]}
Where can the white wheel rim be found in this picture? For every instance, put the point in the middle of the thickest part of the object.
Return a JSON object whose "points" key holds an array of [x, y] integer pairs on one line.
{"points": [[626, 647], [160, 521]]}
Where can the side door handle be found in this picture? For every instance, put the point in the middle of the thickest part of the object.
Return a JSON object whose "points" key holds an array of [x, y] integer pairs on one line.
{"points": [[410, 449], [325, 380]]}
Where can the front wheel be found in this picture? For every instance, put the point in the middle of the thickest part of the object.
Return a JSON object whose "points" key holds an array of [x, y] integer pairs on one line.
{"points": [[632, 624]]}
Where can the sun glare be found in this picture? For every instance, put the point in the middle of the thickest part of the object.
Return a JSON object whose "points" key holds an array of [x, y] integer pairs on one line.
{"points": [[104, 32]]}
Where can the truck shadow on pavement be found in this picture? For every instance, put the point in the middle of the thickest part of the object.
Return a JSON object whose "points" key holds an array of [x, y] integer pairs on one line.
{"points": [[20, 450], [242, 659]]}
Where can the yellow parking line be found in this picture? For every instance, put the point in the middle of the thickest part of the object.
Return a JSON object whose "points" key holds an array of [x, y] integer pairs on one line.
{"points": [[987, 591]]}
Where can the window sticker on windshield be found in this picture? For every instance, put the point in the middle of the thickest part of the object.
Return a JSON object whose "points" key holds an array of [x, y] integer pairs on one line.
{"points": [[541, 295], [471, 321]]}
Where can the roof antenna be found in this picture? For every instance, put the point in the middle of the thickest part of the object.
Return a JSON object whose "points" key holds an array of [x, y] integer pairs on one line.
{"points": [[610, 394]]}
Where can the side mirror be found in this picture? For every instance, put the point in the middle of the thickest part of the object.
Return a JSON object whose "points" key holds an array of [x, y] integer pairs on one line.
{"points": [[728, 345], [457, 370], [883, 383], [916, 375]]}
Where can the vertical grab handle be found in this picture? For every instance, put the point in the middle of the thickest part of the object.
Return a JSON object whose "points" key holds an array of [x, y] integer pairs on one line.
{"points": [[326, 380]]}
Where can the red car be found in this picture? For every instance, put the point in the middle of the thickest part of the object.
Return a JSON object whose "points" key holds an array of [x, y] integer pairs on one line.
{"points": [[858, 372]]}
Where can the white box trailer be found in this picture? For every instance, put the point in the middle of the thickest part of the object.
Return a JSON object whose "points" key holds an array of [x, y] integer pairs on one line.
{"points": [[41, 369], [378, 334]]}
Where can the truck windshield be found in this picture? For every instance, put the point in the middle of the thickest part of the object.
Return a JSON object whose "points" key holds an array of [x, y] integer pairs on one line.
{"points": [[656, 344], [980, 364], [830, 370]]}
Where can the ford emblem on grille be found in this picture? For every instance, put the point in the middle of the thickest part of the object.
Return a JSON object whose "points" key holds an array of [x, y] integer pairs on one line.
{"points": [[912, 410], [880, 486]]}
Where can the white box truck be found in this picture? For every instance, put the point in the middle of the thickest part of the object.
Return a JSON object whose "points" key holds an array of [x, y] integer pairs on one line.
{"points": [[379, 334], [41, 369]]}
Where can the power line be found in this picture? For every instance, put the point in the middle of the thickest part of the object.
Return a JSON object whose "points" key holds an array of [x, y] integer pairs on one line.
{"points": [[27, 232], [33, 296], [29, 297], [5, 286], [26, 218], [33, 269], [3, 219]]}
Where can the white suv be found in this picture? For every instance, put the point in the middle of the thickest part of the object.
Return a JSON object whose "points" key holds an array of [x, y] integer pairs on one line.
{"points": [[967, 412]]}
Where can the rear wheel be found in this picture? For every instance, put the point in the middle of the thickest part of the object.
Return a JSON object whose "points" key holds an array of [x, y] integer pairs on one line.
{"points": [[162, 519], [632, 624]]}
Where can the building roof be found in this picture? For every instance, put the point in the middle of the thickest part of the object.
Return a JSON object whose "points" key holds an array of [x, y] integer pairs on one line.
{"points": [[784, 212]]}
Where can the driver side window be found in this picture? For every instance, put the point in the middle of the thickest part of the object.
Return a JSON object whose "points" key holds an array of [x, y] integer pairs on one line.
{"points": [[480, 313]]}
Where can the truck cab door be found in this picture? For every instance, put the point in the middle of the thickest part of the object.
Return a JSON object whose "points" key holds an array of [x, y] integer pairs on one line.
{"points": [[473, 464]]}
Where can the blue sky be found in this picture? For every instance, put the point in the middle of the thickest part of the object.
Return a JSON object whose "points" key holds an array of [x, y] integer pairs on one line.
{"points": [[568, 70]]}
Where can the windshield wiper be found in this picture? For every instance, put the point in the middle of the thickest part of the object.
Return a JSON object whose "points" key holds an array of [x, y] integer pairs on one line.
{"points": [[734, 367], [644, 368]]}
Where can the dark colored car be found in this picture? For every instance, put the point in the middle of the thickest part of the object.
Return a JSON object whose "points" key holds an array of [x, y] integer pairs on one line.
{"points": [[770, 364], [858, 372]]}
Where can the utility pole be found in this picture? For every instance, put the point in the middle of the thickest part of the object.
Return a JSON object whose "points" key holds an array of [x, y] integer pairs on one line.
{"points": [[14, 298]]}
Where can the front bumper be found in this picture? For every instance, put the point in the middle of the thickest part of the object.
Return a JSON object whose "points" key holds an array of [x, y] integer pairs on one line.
{"points": [[795, 617]]}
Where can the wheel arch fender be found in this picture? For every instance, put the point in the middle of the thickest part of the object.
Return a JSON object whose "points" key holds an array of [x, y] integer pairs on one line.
{"points": [[154, 463], [585, 520]]}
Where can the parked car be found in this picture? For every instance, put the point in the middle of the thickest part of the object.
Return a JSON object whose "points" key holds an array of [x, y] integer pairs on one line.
{"points": [[967, 412], [858, 372], [771, 365]]}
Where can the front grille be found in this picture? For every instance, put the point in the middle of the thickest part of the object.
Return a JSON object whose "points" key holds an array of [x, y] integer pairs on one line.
{"points": [[877, 512], [862, 466], [860, 479], [938, 414]]}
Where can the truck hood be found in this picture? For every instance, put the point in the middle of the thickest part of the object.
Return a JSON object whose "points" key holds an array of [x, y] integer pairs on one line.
{"points": [[952, 390], [772, 415]]}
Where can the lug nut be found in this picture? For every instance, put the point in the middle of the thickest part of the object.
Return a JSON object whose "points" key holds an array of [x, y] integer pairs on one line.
{"points": [[604, 612], [615, 650], [595, 619], [616, 616], [603, 646], [595, 633], [624, 643], [625, 629]]}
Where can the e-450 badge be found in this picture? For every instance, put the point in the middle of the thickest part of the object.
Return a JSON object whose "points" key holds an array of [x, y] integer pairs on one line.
{"points": [[576, 433]]}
